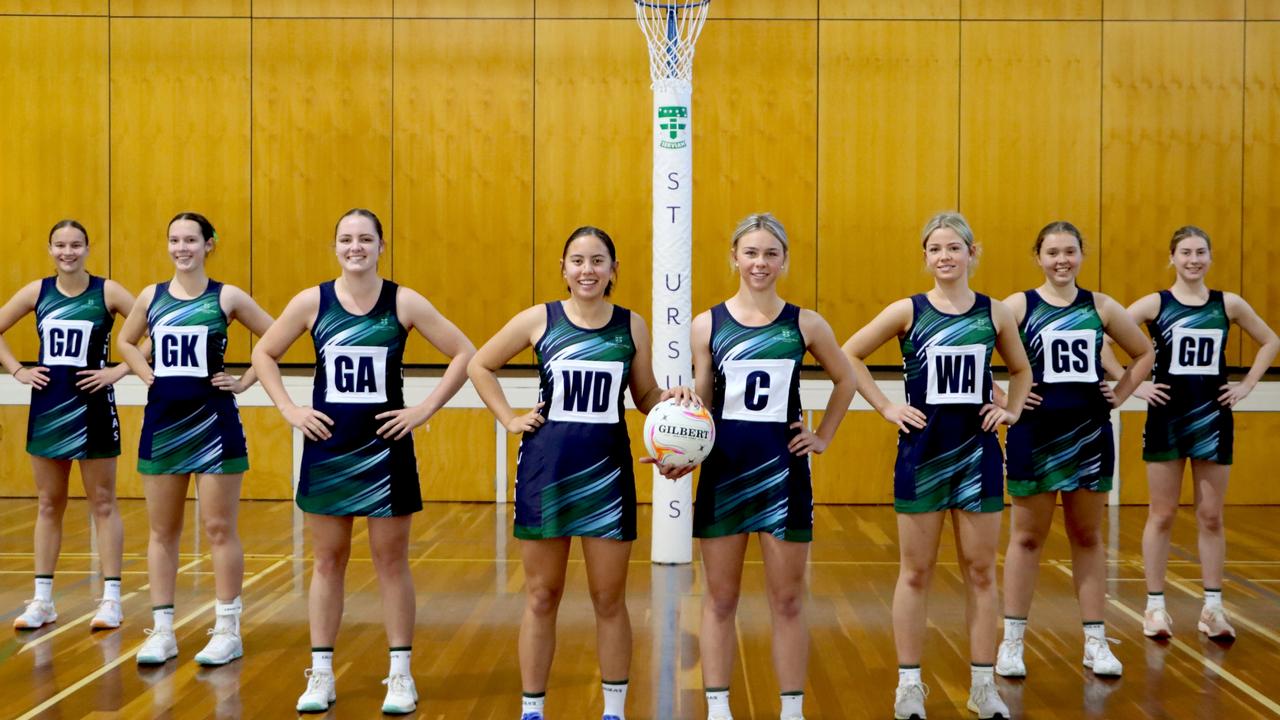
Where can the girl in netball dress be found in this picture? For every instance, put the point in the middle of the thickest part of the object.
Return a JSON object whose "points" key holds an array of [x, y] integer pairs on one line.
{"points": [[191, 426], [1189, 418], [949, 459], [574, 475], [358, 458], [747, 353], [73, 413], [1063, 443]]}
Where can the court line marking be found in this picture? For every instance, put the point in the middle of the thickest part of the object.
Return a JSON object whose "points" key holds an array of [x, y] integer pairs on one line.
{"points": [[1217, 669], [1236, 615], [89, 615], [74, 687]]}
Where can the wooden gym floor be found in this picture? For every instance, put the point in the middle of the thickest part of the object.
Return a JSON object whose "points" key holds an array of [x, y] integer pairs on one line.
{"points": [[469, 584]]}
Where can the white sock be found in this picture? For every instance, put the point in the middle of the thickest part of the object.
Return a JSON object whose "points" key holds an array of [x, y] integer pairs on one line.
{"points": [[792, 704], [162, 617], [718, 701], [322, 660], [44, 588], [1095, 630], [909, 675], [615, 698], [533, 702], [111, 589], [226, 616], [981, 674], [1155, 601], [400, 657], [1014, 628], [1213, 598]]}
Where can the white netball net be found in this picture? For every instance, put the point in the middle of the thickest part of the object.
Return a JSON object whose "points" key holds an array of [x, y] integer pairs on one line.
{"points": [[672, 30]]}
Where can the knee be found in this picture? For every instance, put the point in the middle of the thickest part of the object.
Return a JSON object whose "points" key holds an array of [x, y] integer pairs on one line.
{"points": [[220, 531], [787, 604], [916, 577], [52, 505], [1084, 538], [1161, 519], [544, 600], [103, 505], [390, 560], [1210, 520], [722, 604], [608, 603], [981, 575], [1027, 542], [331, 562]]}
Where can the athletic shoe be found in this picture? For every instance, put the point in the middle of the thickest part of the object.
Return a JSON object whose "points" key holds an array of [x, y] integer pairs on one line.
{"points": [[793, 717], [908, 701], [320, 693], [1213, 622], [610, 717], [719, 717], [38, 614], [985, 700], [1157, 624], [1099, 658], [1009, 659], [402, 696], [161, 646], [109, 615], [531, 716], [224, 646]]}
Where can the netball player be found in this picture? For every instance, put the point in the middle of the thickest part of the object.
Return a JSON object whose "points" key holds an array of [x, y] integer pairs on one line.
{"points": [[191, 426], [949, 459], [747, 353], [73, 413]]}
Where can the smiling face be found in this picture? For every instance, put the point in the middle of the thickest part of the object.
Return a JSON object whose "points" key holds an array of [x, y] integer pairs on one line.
{"points": [[68, 247], [357, 244], [1191, 258], [1060, 258], [760, 258], [946, 255], [588, 268], [188, 247]]}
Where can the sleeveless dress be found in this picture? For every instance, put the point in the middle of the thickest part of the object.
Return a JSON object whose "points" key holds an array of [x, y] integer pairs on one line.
{"points": [[952, 463], [359, 374], [751, 482], [65, 422], [574, 475]]}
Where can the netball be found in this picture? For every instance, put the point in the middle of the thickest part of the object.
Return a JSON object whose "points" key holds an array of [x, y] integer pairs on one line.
{"points": [[679, 436]]}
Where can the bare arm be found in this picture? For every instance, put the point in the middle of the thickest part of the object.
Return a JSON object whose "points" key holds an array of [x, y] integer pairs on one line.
{"points": [[22, 302], [892, 322], [1242, 314], [128, 341], [516, 335], [1125, 332], [240, 306], [416, 312], [274, 343], [118, 301], [821, 343], [703, 371], [1009, 345]]}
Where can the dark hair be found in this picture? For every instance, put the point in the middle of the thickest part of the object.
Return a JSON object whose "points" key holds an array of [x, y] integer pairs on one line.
{"points": [[590, 231], [1185, 232], [206, 227], [377, 224], [1058, 227], [68, 223]]}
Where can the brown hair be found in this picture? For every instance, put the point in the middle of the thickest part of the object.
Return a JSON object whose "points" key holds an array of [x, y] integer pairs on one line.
{"points": [[1058, 227], [1187, 231]]}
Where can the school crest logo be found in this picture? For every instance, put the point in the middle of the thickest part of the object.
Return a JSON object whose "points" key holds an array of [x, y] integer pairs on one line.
{"points": [[673, 121]]}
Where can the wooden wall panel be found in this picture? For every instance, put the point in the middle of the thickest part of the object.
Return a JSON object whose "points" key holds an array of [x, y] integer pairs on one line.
{"points": [[15, 468], [1032, 10], [321, 145], [1262, 9], [582, 9], [857, 467], [1028, 157], [754, 149], [464, 170], [53, 148], [887, 142], [890, 9], [180, 141], [593, 155], [182, 8], [1171, 150], [1174, 9], [270, 475], [765, 10], [53, 7], [464, 8], [1261, 176], [455, 455], [322, 8]]}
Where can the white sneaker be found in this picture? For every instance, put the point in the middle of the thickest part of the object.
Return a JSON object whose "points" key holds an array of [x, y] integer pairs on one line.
{"points": [[1157, 624], [1099, 658], [719, 717], [161, 646], [224, 646], [320, 692], [109, 615], [37, 614], [908, 701], [1213, 622], [1009, 659], [402, 696], [985, 700]]}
